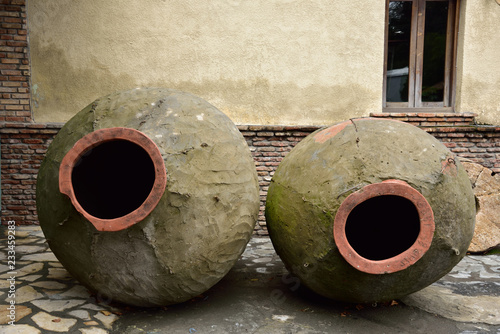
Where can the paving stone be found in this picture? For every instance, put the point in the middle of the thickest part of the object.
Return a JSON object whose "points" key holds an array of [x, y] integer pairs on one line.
{"points": [[24, 263], [26, 294], [20, 312], [57, 305], [38, 233], [22, 233], [31, 278], [25, 241], [5, 284], [29, 228], [78, 291], [107, 320], [93, 330], [91, 323], [59, 273], [40, 257], [52, 294], [80, 314], [19, 329], [475, 266], [51, 323], [29, 269], [443, 301], [29, 249], [93, 307], [3, 268], [49, 285], [56, 264]]}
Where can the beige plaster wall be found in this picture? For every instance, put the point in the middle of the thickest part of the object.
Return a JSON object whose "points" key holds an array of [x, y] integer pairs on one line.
{"points": [[478, 82], [259, 61]]}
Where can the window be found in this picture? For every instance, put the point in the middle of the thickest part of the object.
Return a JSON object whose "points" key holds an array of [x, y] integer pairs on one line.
{"points": [[420, 54]]}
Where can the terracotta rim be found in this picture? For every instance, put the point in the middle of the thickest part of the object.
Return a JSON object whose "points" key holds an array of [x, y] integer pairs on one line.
{"points": [[97, 138], [402, 260]]}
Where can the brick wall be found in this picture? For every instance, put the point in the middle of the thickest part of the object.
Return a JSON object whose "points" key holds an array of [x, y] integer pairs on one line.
{"points": [[14, 63], [23, 147], [269, 145]]}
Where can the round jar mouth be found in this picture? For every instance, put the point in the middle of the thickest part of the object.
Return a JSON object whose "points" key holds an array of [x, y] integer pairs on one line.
{"points": [[114, 177], [384, 227]]}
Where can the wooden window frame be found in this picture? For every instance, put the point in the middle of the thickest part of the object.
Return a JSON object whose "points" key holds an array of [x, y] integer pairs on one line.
{"points": [[414, 103]]}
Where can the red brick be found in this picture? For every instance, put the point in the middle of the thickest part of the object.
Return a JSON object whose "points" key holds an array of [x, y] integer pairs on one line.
{"points": [[13, 19], [436, 119], [10, 84], [14, 107], [456, 135], [18, 78], [11, 25], [18, 44], [17, 55], [265, 134]]}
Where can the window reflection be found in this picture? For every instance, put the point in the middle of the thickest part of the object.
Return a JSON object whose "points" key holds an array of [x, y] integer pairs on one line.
{"points": [[398, 56], [436, 16]]}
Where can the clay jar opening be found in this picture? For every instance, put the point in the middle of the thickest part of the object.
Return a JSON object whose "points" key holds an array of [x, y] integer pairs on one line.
{"points": [[114, 177], [384, 227]]}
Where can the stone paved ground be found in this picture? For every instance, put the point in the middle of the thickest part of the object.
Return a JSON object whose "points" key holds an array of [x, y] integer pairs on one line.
{"points": [[257, 296]]}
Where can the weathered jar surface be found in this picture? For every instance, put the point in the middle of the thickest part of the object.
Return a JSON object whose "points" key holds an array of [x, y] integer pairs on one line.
{"points": [[148, 196], [370, 210]]}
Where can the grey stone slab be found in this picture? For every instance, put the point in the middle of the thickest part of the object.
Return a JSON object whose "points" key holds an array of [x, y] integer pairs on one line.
{"points": [[57, 305], [27, 249], [77, 291], [26, 294], [107, 319], [19, 329], [446, 303], [93, 330], [49, 285], [80, 314], [40, 257]]}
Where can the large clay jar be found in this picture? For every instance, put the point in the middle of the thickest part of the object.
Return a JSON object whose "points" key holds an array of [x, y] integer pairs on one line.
{"points": [[148, 196], [370, 210]]}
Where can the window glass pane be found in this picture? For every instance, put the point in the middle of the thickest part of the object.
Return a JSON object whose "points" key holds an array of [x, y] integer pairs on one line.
{"points": [[398, 52], [436, 17]]}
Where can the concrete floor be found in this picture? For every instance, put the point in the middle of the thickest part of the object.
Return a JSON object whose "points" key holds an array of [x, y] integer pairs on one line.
{"points": [[257, 296]]}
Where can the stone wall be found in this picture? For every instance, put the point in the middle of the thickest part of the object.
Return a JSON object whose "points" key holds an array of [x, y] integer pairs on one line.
{"points": [[23, 146]]}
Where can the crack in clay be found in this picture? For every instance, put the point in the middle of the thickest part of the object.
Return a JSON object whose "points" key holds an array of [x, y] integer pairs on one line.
{"points": [[356, 129], [355, 188]]}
